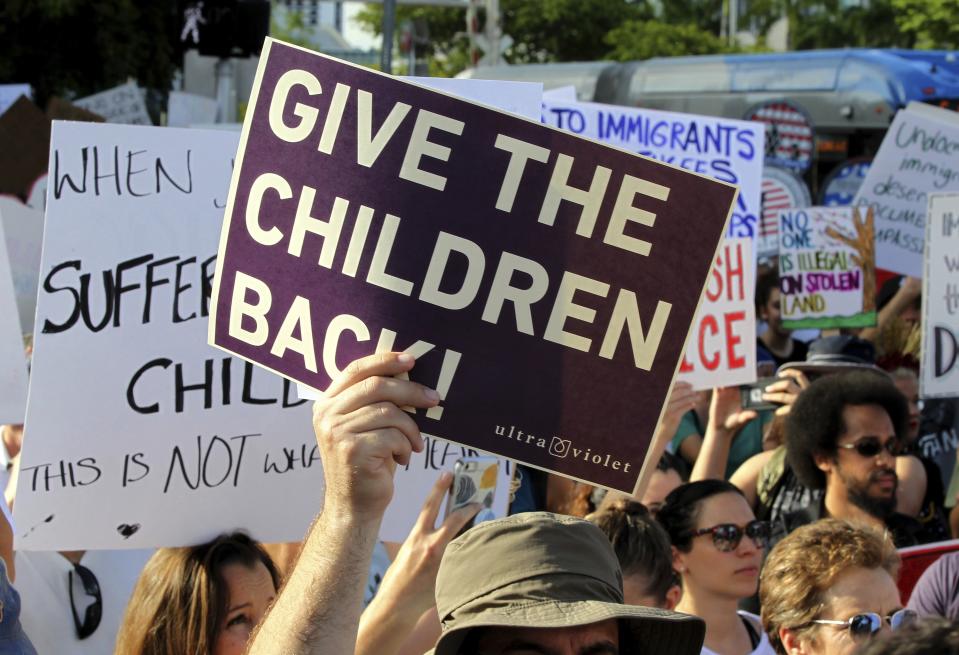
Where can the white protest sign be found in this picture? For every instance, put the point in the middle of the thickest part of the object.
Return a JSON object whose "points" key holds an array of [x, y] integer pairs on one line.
{"points": [[561, 94], [23, 232], [917, 157], [940, 299], [10, 93], [521, 98], [121, 104], [139, 433], [827, 273], [13, 363], [187, 109], [722, 148], [721, 350]]}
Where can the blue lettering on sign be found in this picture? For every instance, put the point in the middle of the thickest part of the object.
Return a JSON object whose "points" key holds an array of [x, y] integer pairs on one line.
{"points": [[795, 232]]}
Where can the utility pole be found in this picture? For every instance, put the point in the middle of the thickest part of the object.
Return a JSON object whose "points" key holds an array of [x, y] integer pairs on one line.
{"points": [[494, 32], [389, 25]]}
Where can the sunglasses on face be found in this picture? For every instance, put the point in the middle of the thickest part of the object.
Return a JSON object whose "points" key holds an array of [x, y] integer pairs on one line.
{"points": [[866, 624], [871, 447], [94, 612], [727, 536]]}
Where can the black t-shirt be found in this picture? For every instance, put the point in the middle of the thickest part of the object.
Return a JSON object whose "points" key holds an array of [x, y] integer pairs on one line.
{"points": [[798, 354]]}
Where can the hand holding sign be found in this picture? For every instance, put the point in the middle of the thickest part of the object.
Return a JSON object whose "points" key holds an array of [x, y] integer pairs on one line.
{"points": [[363, 433]]}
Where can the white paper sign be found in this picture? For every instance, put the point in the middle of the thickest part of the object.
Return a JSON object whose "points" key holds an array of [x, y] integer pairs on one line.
{"points": [[187, 109], [722, 343], [917, 157], [13, 363], [138, 433], [521, 98], [827, 275], [10, 93], [940, 299], [723, 148], [23, 232], [121, 104], [561, 94]]}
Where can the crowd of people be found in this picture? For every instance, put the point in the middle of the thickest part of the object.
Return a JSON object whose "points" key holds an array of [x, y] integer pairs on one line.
{"points": [[759, 531]]}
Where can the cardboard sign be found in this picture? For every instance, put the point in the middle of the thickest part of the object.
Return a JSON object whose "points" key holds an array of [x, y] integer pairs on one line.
{"points": [[722, 348], [827, 272], [23, 232], [940, 299], [520, 98], [121, 104], [543, 281], [917, 157], [724, 149], [13, 363], [138, 433]]}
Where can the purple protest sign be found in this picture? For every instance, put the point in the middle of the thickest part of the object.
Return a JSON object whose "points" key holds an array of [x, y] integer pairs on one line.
{"points": [[545, 282]]}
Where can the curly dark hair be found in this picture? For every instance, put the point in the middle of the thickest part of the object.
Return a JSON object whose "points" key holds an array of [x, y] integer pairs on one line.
{"points": [[814, 424], [931, 636], [641, 544], [680, 511]]}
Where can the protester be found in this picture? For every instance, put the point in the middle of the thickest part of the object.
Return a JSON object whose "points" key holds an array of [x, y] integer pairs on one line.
{"points": [[512, 577], [13, 640], [670, 472], [775, 342], [828, 587], [202, 599], [402, 614], [73, 602], [899, 298], [643, 550], [717, 550], [937, 591], [927, 637]]}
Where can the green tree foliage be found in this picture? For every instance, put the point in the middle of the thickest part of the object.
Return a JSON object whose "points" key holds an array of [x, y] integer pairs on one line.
{"points": [[645, 39], [932, 23], [827, 24], [542, 30], [79, 47]]}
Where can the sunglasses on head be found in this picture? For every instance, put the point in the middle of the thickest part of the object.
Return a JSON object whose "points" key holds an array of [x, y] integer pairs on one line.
{"points": [[727, 536], [871, 447], [866, 624], [94, 612]]}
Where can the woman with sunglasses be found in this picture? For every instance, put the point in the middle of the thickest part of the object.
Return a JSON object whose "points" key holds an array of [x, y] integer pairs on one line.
{"points": [[204, 599], [717, 550], [829, 587]]}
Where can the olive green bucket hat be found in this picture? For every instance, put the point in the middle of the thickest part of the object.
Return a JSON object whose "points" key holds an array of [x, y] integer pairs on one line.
{"points": [[541, 570]]}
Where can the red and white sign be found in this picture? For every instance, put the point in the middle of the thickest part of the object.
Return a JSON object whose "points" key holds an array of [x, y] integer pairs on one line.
{"points": [[721, 351]]}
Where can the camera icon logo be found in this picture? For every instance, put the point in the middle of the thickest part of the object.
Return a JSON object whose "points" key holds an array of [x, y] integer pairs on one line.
{"points": [[559, 447]]}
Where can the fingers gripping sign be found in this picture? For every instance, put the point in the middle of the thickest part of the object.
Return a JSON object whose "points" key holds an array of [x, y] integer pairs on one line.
{"points": [[363, 434]]}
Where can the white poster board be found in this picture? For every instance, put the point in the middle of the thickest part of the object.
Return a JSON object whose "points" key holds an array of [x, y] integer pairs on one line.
{"points": [[23, 232], [186, 109], [725, 149], [13, 363], [827, 274], [917, 157], [940, 299], [121, 104], [138, 433], [521, 98], [721, 350]]}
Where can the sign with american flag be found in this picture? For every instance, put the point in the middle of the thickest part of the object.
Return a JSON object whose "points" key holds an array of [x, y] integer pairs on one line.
{"points": [[781, 190], [789, 134]]}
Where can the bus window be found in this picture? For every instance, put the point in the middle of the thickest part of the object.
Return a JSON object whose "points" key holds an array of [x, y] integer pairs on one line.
{"points": [[816, 75], [704, 78]]}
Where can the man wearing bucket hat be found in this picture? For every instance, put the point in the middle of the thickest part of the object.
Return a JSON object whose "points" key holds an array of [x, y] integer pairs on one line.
{"points": [[529, 583]]}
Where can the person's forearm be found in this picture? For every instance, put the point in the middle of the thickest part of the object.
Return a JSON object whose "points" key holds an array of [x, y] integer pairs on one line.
{"points": [[713, 456], [893, 308], [318, 609], [384, 627]]}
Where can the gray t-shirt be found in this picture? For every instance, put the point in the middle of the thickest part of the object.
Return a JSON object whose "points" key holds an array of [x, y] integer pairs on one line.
{"points": [[937, 591]]}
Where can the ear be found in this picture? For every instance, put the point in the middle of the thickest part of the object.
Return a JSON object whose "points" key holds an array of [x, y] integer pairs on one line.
{"points": [[673, 596], [679, 560], [824, 463], [791, 644]]}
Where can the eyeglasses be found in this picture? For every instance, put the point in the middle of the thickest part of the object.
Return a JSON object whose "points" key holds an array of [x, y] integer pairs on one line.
{"points": [[91, 619], [871, 446], [727, 536], [866, 624]]}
